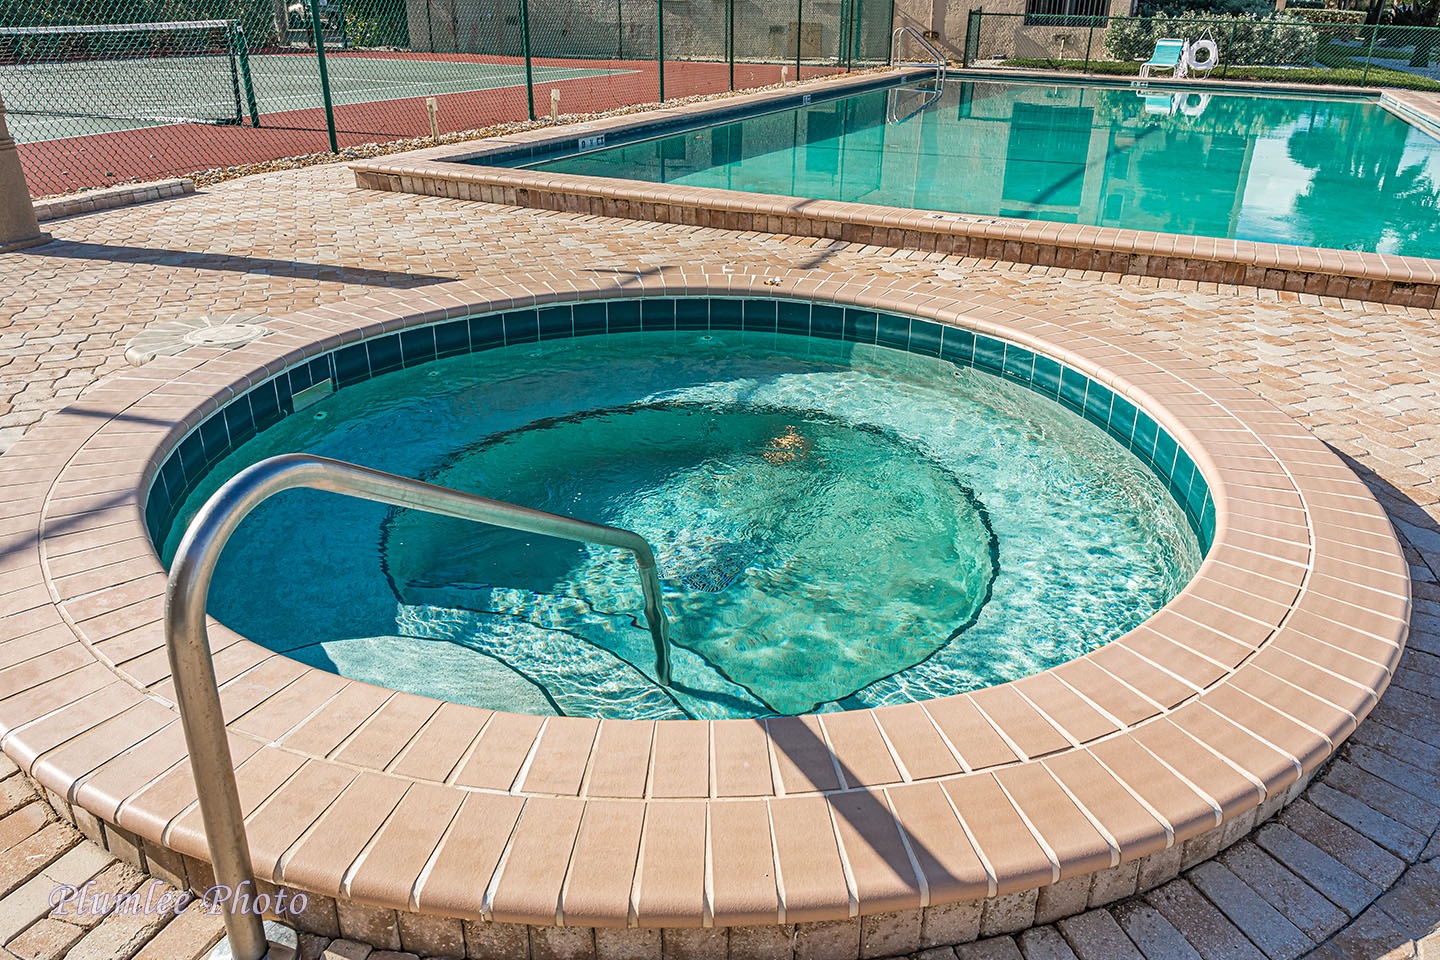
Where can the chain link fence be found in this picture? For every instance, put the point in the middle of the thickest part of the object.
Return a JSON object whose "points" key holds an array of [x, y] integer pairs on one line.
{"points": [[101, 92], [1280, 49]]}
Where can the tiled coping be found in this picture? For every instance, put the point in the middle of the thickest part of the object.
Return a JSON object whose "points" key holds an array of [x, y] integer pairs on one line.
{"points": [[53, 208], [456, 172], [869, 832]]}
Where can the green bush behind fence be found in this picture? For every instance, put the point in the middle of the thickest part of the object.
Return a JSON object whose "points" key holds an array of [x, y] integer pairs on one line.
{"points": [[1272, 48]]}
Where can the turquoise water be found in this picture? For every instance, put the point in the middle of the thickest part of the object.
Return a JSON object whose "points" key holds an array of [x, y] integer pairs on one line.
{"points": [[1346, 174], [838, 526]]}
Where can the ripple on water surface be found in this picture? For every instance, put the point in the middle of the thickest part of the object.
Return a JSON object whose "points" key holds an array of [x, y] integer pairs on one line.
{"points": [[837, 526]]}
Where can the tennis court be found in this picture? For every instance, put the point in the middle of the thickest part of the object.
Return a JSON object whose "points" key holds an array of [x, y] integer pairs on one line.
{"points": [[52, 101]]}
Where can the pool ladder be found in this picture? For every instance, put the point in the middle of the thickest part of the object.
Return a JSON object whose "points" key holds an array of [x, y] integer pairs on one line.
{"points": [[193, 670], [937, 88]]}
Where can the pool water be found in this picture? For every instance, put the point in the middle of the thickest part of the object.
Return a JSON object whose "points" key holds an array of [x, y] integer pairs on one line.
{"points": [[838, 525], [1340, 173]]}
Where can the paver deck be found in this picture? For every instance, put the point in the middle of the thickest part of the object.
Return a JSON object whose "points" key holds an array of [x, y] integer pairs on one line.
{"points": [[1350, 867]]}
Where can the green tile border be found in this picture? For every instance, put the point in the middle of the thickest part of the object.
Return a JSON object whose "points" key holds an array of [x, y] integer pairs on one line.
{"points": [[270, 401]]}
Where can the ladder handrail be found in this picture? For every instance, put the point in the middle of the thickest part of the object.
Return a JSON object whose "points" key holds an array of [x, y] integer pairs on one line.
{"points": [[193, 670], [918, 37]]}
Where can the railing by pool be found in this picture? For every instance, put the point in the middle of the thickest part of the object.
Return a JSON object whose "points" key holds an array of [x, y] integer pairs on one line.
{"points": [[188, 647]]}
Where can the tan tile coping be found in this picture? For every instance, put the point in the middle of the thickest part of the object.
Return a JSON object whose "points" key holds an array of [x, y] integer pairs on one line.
{"points": [[890, 828], [439, 172], [53, 208]]}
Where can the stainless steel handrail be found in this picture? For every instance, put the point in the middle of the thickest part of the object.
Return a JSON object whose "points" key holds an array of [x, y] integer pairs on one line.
{"points": [[188, 647], [893, 97], [918, 37]]}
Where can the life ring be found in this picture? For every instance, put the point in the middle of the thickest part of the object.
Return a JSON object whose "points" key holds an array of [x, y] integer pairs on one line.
{"points": [[1193, 104], [1212, 51]]}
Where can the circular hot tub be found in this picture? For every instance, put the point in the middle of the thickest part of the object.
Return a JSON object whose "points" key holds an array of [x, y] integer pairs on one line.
{"points": [[1041, 773], [840, 524]]}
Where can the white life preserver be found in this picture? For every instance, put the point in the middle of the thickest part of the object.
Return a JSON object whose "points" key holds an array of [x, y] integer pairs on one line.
{"points": [[1194, 104], [1212, 51]]}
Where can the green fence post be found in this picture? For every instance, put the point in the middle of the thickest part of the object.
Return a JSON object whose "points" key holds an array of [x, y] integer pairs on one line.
{"points": [[1369, 49], [972, 36], [315, 29], [890, 29], [525, 50], [1089, 42], [242, 51], [730, 38], [660, 44], [1229, 46], [799, 32]]}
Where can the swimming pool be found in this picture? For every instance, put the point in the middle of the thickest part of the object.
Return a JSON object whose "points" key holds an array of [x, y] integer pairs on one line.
{"points": [[847, 515], [1320, 171]]}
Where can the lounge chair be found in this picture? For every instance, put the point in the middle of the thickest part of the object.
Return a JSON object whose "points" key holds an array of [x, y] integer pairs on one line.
{"points": [[1169, 55], [1163, 104]]}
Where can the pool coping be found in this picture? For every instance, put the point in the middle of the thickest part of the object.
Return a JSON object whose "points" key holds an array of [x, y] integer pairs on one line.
{"points": [[1155, 749], [445, 172]]}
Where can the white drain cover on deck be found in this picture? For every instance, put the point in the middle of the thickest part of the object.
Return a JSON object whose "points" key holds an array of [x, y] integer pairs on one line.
{"points": [[226, 331]]}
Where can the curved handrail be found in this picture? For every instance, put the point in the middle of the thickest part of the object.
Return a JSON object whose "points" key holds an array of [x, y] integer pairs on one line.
{"points": [[919, 38], [892, 103], [188, 647]]}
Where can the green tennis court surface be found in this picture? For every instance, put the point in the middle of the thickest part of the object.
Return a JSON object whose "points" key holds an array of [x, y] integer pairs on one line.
{"points": [[51, 101]]}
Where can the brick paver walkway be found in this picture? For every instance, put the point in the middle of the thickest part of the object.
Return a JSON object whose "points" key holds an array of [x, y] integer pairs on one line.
{"points": [[1350, 871]]}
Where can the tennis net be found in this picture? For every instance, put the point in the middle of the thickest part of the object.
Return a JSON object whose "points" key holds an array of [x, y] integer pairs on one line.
{"points": [[191, 71]]}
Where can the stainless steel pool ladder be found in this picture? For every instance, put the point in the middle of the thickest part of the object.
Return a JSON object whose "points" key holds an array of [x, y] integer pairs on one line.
{"points": [[901, 33], [193, 670]]}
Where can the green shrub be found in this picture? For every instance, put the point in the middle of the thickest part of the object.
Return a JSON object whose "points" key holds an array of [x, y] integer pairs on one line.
{"points": [[1331, 16], [1376, 76], [1277, 39]]}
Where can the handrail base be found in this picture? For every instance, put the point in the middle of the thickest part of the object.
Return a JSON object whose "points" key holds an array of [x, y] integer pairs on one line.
{"points": [[283, 944]]}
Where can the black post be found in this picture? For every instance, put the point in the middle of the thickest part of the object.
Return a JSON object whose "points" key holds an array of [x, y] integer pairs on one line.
{"points": [[660, 44], [850, 24], [525, 49], [730, 38], [799, 31]]}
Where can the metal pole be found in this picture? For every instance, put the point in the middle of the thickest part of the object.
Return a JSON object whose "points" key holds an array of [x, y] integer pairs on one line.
{"points": [[193, 670], [324, 74], [1230, 45], [242, 47], [1089, 42], [203, 721], [660, 44], [1369, 49], [850, 35], [891, 19], [730, 38], [18, 227], [234, 50], [529, 66], [799, 30]]}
